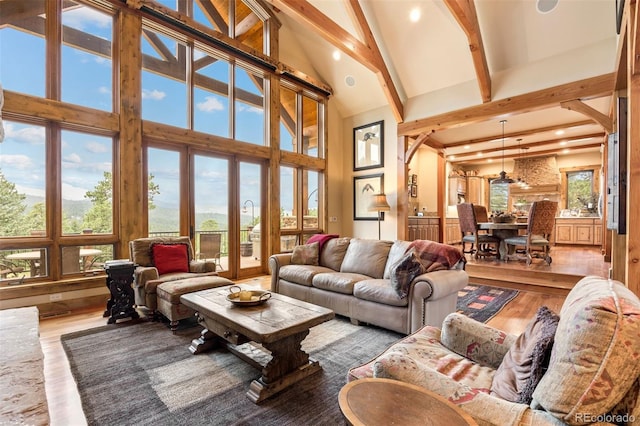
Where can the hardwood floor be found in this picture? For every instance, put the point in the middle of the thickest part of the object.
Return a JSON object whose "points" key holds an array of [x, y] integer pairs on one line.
{"points": [[65, 408]]}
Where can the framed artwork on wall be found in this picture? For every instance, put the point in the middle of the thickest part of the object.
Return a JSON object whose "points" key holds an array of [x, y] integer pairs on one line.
{"points": [[364, 188], [368, 146], [414, 191]]}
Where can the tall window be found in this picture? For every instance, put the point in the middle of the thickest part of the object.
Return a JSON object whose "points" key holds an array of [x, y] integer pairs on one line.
{"points": [[580, 190], [498, 196], [249, 106]]}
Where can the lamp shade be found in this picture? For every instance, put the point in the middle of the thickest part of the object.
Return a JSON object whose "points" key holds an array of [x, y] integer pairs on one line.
{"points": [[379, 203]]}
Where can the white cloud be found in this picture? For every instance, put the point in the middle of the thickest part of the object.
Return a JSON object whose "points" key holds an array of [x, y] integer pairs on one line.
{"points": [[21, 162], [256, 110], [104, 90], [210, 104], [32, 135], [73, 158], [36, 192], [82, 17], [70, 192], [154, 94], [95, 147]]}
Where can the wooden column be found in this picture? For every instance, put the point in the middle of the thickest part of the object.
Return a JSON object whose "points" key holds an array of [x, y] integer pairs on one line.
{"points": [[132, 211], [402, 201], [633, 149]]}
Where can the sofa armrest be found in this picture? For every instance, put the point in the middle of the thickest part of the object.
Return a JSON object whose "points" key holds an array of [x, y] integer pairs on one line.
{"points": [[437, 284], [202, 266], [474, 340], [142, 274], [277, 261]]}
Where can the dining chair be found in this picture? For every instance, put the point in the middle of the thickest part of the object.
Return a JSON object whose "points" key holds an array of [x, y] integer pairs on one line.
{"points": [[210, 248], [536, 242], [480, 242]]}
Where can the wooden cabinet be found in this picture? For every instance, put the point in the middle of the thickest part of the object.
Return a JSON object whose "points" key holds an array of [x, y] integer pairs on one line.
{"points": [[457, 189], [452, 233], [584, 230], [475, 190], [424, 228]]}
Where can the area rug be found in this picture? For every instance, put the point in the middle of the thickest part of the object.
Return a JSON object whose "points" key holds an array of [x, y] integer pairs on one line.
{"points": [[482, 302], [142, 374]]}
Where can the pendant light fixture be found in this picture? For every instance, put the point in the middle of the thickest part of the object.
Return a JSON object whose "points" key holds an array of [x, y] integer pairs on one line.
{"points": [[503, 175]]}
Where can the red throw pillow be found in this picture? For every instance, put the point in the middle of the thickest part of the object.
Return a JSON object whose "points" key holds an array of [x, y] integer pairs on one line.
{"points": [[170, 258]]}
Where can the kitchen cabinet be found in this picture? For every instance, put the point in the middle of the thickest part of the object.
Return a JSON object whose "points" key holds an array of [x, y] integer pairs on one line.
{"points": [[424, 228], [452, 233], [457, 189], [578, 230], [475, 190]]}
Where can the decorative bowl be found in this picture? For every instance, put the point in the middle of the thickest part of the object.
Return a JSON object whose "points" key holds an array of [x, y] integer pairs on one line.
{"points": [[240, 297], [503, 219]]}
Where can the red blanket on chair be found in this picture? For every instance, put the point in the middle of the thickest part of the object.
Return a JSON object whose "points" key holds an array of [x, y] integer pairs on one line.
{"points": [[436, 256]]}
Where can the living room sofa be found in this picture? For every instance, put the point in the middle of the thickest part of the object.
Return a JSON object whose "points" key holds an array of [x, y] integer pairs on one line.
{"points": [[353, 277], [581, 366]]}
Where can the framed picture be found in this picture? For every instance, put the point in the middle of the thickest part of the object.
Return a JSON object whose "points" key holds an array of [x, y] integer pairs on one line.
{"points": [[414, 191], [364, 187], [414, 179], [368, 146]]}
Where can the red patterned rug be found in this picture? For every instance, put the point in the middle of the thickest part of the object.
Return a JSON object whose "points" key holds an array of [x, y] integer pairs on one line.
{"points": [[482, 302]]}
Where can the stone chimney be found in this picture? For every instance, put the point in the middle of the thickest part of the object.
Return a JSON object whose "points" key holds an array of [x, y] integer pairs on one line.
{"points": [[537, 170]]}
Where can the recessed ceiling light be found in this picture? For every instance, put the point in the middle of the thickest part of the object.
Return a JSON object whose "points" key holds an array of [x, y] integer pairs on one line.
{"points": [[560, 132], [563, 143], [452, 157], [490, 160], [467, 147], [336, 55], [414, 15], [565, 151]]}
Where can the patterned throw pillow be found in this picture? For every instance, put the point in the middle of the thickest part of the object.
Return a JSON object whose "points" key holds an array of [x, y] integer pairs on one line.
{"points": [[306, 254], [404, 271], [526, 361], [170, 258]]}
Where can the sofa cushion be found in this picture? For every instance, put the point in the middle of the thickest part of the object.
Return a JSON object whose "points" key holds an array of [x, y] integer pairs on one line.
{"points": [[404, 271], [170, 257], [596, 354], [524, 363], [366, 257], [398, 249], [333, 251], [321, 239], [301, 274], [306, 254], [379, 291], [339, 282]]}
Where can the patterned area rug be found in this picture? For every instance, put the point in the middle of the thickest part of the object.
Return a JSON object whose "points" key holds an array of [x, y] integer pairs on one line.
{"points": [[482, 302], [142, 374]]}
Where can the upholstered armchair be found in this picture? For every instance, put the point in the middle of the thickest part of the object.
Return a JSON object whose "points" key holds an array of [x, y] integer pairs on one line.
{"points": [[579, 367], [162, 259]]}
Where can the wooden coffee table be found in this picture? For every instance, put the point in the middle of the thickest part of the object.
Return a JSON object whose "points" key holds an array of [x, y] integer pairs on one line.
{"points": [[381, 402], [279, 325]]}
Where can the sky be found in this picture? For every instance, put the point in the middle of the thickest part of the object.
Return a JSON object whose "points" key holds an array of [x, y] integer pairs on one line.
{"points": [[87, 81]]}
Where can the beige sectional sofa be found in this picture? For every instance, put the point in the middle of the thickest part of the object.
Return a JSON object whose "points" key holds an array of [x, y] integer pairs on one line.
{"points": [[353, 278]]}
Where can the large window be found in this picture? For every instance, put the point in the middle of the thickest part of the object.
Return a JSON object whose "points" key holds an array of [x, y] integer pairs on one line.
{"points": [[498, 196], [580, 191]]}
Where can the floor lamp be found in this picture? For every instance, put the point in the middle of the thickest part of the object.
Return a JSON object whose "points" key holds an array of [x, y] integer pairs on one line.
{"points": [[379, 204]]}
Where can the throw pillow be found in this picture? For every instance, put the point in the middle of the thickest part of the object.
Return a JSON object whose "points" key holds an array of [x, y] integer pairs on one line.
{"points": [[306, 254], [170, 258], [321, 239], [404, 271], [526, 361]]}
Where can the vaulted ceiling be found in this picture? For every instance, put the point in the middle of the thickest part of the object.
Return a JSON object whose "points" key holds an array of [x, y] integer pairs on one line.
{"points": [[451, 77]]}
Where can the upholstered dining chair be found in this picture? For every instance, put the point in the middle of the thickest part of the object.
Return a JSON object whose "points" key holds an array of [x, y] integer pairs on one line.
{"points": [[536, 242], [480, 243]]}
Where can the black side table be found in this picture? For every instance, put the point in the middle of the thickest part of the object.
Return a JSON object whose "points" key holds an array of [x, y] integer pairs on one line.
{"points": [[119, 280]]}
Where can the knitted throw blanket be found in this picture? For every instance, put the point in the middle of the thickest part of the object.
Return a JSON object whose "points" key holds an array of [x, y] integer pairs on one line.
{"points": [[436, 256]]}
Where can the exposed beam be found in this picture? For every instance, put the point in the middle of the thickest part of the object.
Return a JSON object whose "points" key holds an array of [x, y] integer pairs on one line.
{"points": [[465, 13], [521, 134], [578, 106], [422, 138], [530, 155], [583, 89], [370, 57]]}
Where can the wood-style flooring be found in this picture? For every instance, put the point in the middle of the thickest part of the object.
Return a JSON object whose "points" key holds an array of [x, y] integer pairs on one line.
{"points": [[65, 408]]}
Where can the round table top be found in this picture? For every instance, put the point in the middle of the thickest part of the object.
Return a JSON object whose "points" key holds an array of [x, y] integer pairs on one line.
{"points": [[373, 401]]}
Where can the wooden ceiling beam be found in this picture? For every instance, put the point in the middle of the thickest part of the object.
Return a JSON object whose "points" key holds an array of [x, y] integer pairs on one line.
{"points": [[578, 106], [369, 56], [421, 140], [464, 11], [602, 85], [521, 134], [555, 151]]}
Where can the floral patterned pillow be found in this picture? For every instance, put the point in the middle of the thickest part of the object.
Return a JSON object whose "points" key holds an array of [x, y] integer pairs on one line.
{"points": [[306, 254]]}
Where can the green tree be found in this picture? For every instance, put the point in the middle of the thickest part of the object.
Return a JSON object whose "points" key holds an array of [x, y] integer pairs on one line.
{"points": [[36, 218], [99, 217], [210, 225], [153, 189], [13, 208]]}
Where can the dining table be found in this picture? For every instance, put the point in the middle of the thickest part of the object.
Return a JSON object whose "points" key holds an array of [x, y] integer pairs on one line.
{"points": [[36, 258], [503, 230]]}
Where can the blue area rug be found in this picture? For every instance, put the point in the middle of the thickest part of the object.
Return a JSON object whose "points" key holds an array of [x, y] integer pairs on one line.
{"points": [[482, 302]]}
